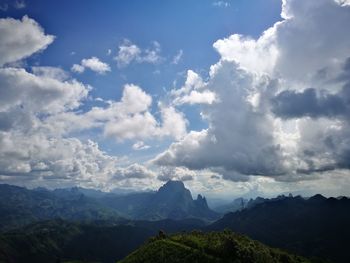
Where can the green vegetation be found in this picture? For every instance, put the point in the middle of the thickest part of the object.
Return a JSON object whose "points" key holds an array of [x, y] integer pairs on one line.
{"points": [[218, 247]]}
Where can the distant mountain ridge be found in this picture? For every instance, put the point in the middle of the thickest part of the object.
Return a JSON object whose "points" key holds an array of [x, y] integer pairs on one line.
{"points": [[20, 206], [315, 226], [172, 200]]}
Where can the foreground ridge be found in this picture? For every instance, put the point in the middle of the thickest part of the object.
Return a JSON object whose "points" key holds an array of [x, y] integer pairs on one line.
{"points": [[201, 247]]}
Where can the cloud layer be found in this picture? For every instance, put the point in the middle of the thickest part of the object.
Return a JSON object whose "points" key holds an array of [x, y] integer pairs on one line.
{"points": [[281, 103], [20, 39]]}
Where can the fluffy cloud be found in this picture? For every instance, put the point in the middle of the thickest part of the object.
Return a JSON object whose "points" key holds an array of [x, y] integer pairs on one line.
{"points": [[134, 171], [19, 88], [20, 39], [175, 173], [28, 150], [194, 91], [282, 100], [239, 137], [39, 109], [131, 117], [129, 52], [93, 64], [127, 119]]}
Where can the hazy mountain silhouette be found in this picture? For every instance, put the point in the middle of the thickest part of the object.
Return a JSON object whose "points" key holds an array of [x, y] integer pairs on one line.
{"points": [[172, 200], [62, 241], [20, 206], [317, 226]]}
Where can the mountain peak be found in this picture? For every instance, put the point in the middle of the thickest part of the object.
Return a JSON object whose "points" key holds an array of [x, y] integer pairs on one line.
{"points": [[174, 184], [174, 188]]}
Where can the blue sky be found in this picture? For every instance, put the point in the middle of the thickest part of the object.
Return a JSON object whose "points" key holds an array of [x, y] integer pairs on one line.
{"points": [[88, 28], [220, 94]]}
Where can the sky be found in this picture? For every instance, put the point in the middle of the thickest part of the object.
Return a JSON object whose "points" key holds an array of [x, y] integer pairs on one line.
{"points": [[234, 98]]}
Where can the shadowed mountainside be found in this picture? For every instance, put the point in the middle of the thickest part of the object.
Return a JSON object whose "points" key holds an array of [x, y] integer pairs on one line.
{"points": [[58, 240], [317, 226]]}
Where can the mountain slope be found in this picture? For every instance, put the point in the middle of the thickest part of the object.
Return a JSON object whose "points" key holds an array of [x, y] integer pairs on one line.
{"points": [[58, 240], [210, 247], [172, 200], [20, 206], [314, 227]]}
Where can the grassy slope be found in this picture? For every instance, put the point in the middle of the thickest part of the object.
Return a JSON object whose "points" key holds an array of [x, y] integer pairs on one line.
{"points": [[210, 247]]}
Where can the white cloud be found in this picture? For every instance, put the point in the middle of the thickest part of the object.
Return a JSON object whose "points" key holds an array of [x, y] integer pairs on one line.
{"points": [[129, 53], [127, 119], [194, 91], [173, 123], [151, 55], [177, 58], [195, 97], [20, 39], [78, 68], [254, 55], [343, 2], [247, 134], [239, 138], [134, 171], [93, 64], [140, 145], [175, 173], [19, 88], [131, 117], [50, 72]]}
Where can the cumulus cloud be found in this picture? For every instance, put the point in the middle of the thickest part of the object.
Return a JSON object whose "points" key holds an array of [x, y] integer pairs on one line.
{"points": [[129, 52], [28, 149], [281, 100], [93, 64], [239, 137], [130, 118], [134, 171], [37, 106], [19, 88], [175, 173], [194, 91], [21, 38]]}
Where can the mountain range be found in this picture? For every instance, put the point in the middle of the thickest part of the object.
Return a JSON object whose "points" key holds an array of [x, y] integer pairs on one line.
{"points": [[20, 206], [172, 200], [313, 227], [69, 224]]}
